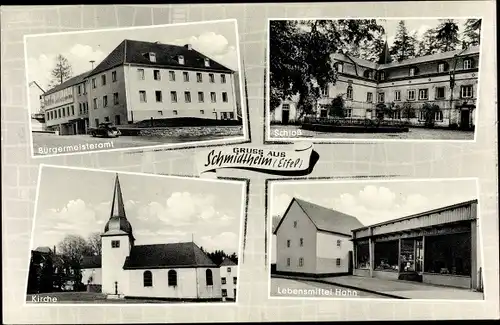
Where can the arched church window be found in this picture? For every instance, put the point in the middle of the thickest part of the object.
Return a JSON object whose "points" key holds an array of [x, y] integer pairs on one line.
{"points": [[148, 279], [172, 278], [209, 278]]}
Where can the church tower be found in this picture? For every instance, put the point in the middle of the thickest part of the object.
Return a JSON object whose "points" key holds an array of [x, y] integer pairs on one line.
{"points": [[385, 57], [117, 241]]}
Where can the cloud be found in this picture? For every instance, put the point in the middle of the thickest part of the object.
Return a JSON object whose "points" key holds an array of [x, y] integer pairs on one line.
{"points": [[79, 55], [227, 241], [215, 46]]}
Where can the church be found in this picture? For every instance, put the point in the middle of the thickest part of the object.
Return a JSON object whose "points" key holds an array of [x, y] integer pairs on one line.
{"points": [[173, 271]]}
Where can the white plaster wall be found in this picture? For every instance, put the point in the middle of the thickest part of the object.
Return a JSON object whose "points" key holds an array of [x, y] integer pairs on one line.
{"points": [[327, 253], [112, 264]]}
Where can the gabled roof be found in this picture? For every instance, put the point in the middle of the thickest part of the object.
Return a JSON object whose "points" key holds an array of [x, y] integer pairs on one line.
{"points": [[91, 262], [134, 52], [358, 61], [325, 219], [167, 256], [68, 83], [227, 262], [43, 249]]}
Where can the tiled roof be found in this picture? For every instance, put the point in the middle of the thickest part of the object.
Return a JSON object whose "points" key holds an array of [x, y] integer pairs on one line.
{"points": [[134, 52], [70, 82], [91, 262], [227, 262], [43, 249], [326, 219], [167, 256], [358, 61]]}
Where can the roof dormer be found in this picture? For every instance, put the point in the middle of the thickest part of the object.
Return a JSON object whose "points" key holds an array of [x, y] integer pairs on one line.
{"points": [[180, 59], [207, 62], [152, 56]]}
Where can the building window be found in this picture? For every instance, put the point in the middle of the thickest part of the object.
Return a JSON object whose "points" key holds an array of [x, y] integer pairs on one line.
{"points": [[199, 77], [142, 96], [114, 243], [104, 101], [325, 91], [140, 74], [207, 62], [160, 113], [423, 94], [209, 277], [213, 97], [103, 80], [113, 76], [235, 280], [156, 74], [202, 112], [175, 112], [412, 72], [340, 67], [115, 99], [224, 292], [439, 92], [79, 89], [411, 94], [95, 103], [94, 85], [84, 88], [96, 122], [223, 280], [467, 64], [422, 116], [231, 115], [466, 91], [369, 97], [152, 56], [187, 97], [301, 261], [147, 279], [185, 74], [438, 116], [72, 110], [173, 96], [172, 278], [211, 77], [349, 92], [382, 75], [295, 224], [348, 112], [397, 95], [67, 109], [117, 120], [301, 242], [288, 243], [337, 262], [288, 261], [339, 242], [158, 96], [201, 97], [106, 119], [80, 110], [381, 97], [171, 75], [222, 78], [228, 270], [224, 97], [180, 59], [441, 67]]}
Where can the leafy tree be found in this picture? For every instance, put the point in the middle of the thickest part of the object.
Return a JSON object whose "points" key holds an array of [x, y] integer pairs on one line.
{"points": [[337, 106], [94, 243], [373, 50], [472, 32], [61, 72], [428, 43], [381, 110], [72, 249], [408, 111], [447, 35], [430, 113], [219, 255], [404, 45]]}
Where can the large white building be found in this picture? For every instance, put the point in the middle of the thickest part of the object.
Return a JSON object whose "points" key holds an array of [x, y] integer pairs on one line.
{"points": [[174, 271], [313, 240], [402, 87], [229, 279]]}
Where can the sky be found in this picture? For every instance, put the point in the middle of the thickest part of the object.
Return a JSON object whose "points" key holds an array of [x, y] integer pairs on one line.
{"points": [[374, 202], [160, 209], [420, 26], [216, 40]]}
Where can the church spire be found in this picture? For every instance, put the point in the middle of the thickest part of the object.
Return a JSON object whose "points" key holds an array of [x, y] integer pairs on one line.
{"points": [[117, 207], [385, 57]]}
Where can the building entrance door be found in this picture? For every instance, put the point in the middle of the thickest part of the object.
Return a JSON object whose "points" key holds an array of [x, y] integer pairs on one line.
{"points": [[285, 116], [465, 118], [411, 258]]}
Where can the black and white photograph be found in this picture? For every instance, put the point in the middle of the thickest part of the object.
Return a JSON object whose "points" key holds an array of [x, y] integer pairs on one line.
{"points": [[373, 79], [134, 238], [166, 85], [401, 239]]}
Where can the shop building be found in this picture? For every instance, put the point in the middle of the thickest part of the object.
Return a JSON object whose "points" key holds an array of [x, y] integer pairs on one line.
{"points": [[438, 247]]}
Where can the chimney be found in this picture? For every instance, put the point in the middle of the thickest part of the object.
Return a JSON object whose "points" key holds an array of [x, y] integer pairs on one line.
{"points": [[188, 46], [54, 249]]}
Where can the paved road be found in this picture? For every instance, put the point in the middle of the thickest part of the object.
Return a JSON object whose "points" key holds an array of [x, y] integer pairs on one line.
{"points": [[281, 287], [49, 144]]}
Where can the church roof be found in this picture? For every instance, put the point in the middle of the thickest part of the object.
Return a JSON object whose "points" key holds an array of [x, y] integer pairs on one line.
{"points": [[177, 255], [118, 223], [91, 262], [133, 52], [227, 262], [326, 219]]}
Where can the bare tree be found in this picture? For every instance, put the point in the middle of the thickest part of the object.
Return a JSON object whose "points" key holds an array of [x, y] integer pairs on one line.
{"points": [[61, 72], [94, 243]]}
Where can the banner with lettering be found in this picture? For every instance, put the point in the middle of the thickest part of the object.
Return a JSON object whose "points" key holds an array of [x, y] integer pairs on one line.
{"points": [[296, 161]]}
